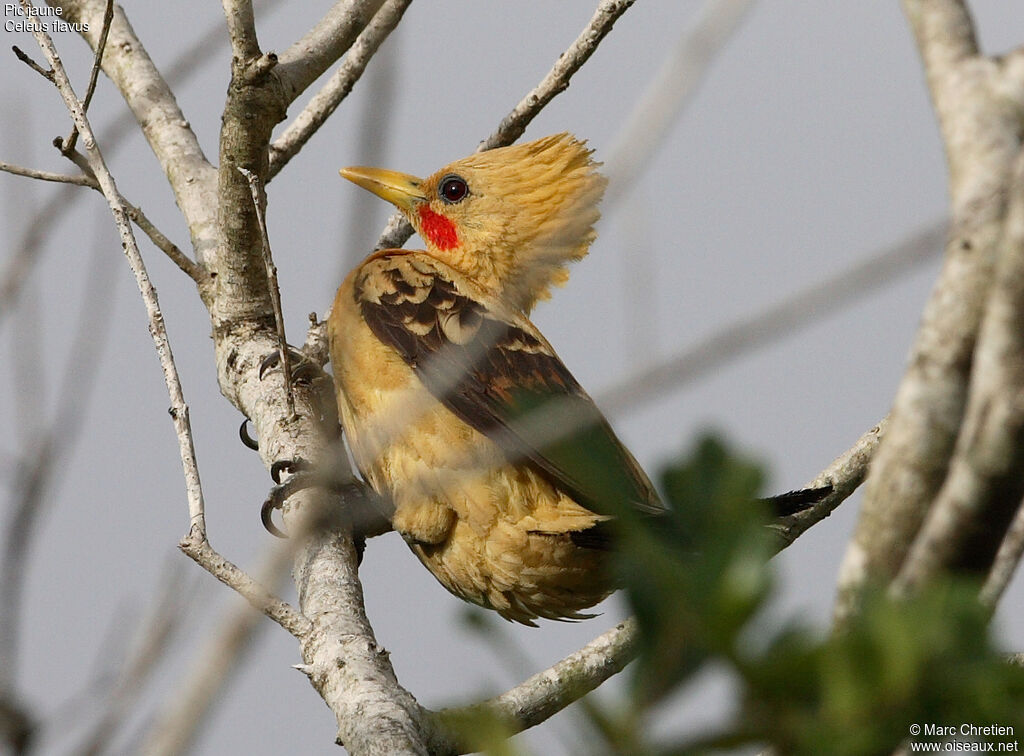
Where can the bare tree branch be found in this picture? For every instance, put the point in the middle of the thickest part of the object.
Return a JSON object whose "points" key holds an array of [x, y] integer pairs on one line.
{"points": [[138, 217], [127, 64], [304, 62], [337, 88], [28, 61], [198, 548], [79, 180], [984, 487], [374, 713], [241, 29], [179, 410], [546, 693], [845, 475], [185, 263], [980, 131]]}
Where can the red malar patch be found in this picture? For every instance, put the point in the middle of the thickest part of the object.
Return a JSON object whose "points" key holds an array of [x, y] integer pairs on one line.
{"points": [[438, 230]]}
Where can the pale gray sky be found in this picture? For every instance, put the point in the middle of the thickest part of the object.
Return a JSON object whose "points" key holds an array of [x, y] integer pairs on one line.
{"points": [[810, 145]]}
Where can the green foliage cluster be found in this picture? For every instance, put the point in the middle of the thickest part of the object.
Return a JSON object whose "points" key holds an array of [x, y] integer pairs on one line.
{"points": [[697, 581]]}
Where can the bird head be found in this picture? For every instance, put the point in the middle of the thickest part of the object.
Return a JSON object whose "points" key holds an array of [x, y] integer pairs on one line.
{"points": [[509, 218]]}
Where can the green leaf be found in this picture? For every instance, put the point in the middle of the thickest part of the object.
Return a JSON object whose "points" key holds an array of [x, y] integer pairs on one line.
{"points": [[695, 576]]}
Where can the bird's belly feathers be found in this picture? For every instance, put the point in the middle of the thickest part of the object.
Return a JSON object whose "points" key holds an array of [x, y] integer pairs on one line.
{"points": [[492, 533]]}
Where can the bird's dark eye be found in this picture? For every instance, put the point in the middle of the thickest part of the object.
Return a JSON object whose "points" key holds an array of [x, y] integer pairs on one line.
{"points": [[453, 189]]}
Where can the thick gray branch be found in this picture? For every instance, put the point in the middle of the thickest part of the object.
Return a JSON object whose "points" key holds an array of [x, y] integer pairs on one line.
{"points": [[342, 658], [304, 62], [980, 132], [984, 488]]}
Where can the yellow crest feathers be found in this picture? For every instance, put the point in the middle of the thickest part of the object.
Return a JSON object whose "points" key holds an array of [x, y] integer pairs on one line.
{"points": [[533, 210]]}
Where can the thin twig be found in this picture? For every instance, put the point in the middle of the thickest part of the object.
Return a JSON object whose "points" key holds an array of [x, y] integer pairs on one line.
{"points": [[187, 265], [337, 88], [24, 58], [165, 245], [198, 548], [62, 178], [179, 258], [108, 15], [512, 126], [259, 201]]}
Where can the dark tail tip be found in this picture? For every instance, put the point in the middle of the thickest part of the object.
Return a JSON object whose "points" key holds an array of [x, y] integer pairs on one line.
{"points": [[792, 502]]}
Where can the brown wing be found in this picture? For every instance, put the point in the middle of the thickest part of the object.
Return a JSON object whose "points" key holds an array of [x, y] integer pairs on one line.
{"points": [[499, 375]]}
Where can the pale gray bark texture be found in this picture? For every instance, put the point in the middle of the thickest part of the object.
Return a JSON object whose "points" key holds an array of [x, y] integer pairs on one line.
{"points": [[985, 486], [980, 129]]}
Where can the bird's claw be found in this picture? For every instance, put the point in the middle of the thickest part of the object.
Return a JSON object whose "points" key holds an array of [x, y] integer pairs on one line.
{"points": [[368, 520], [301, 477], [293, 466], [243, 433], [304, 370], [274, 501]]}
